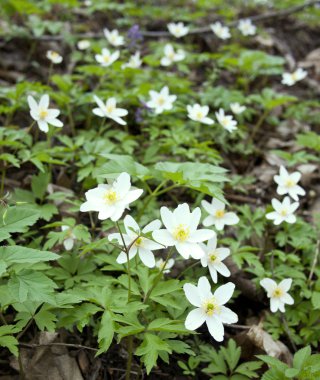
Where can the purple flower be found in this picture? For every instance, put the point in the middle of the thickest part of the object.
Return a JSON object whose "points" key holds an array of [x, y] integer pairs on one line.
{"points": [[134, 35]]}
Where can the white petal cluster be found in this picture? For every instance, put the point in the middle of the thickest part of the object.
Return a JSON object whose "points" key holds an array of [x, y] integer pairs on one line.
{"points": [[222, 32], [283, 211], [113, 37], [54, 57], [181, 231], [237, 108], [217, 214], [178, 29], [165, 267], [209, 307], [288, 184], [247, 28], [161, 101], [171, 56], [136, 242], [213, 259], [112, 199], [42, 114], [134, 62], [68, 242], [106, 58], [289, 79], [278, 293], [110, 110], [226, 121], [83, 44], [199, 113]]}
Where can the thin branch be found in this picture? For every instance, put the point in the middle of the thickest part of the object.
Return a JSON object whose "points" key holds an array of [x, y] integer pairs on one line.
{"points": [[201, 30], [79, 346]]}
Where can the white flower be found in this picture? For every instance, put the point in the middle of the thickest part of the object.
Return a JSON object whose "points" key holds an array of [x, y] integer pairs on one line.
{"points": [[209, 307], [199, 113], [110, 110], [226, 121], [283, 212], [42, 114], [217, 214], [106, 58], [134, 62], [181, 231], [213, 259], [278, 294], [87, 3], [54, 57], [113, 37], [247, 28], [137, 243], [112, 199], [287, 183], [83, 44], [220, 31], [290, 79], [237, 109], [178, 29], [161, 101], [170, 56], [68, 242], [167, 266]]}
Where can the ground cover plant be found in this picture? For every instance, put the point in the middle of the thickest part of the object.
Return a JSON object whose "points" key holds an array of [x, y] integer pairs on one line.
{"points": [[159, 190]]}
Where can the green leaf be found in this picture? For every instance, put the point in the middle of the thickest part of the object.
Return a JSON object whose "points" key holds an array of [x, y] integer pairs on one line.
{"points": [[301, 356], [231, 354], [45, 320], [165, 324], [106, 332], [291, 372], [315, 300], [7, 340], [16, 219], [18, 254], [39, 184]]}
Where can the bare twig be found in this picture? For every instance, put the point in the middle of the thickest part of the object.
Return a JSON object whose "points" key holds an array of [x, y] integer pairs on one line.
{"points": [[201, 30], [79, 346]]}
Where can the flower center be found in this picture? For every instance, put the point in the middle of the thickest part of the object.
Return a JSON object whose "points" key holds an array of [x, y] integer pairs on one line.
{"points": [[139, 241], [110, 108], [210, 307], [277, 293], [290, 183], [219, 213], [199, 115], [43, 113], [106, 58], [161, 101], [224, 122], [212, 257], [284, 212], [171, 56], [110, 197], [181, 232]]}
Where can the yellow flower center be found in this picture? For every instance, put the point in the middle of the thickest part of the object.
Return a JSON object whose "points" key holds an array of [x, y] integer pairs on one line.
{"points": [[171, 56], [43, 113], [161, 101], [181, 233], [219, 213], [110, 108], [284, 212], [224, 122], [199, 115], [106, 58], [212, 257], [210, 307], [290, 183], [110, 197], [294, 76], [139, 241], [277, 293]]}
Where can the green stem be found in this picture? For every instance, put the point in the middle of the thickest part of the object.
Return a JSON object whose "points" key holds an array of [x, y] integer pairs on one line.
{"points": [[157, 279], [3, 320], [189, 267], [129, 361], [153, 193], [3, 176], [128, 261]]}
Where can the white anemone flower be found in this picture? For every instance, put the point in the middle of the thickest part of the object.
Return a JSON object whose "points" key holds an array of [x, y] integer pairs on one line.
{"points": [[137, 243], [247, 28], [54, 57], [178, 29], [170, 56], [283, 212], [161, 101], [68, 242], [165, 267], [112, 199], [218, 215], [106, 58], [288, 183], [113, 37], [222, 32], [42, 114], [199, 113], [237, 108], [110, 110], [278, 294], [290, 79], [83, 44], [213, 259], [209, 307], [226, 121], [134, 62], [181, 231]]}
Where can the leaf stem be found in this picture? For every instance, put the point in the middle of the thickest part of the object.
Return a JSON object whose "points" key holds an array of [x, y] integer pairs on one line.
{"points": [[128, 260], [129, 361]]}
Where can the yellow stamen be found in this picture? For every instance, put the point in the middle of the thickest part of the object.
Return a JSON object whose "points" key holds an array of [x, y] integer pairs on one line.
{"points": [[219, 213], [139, 241], [181, 232], [277, 293], [43, 113], [210, 307], [284, 212], [110, 197], [110, 108], [212, 257], [290, 183]]}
